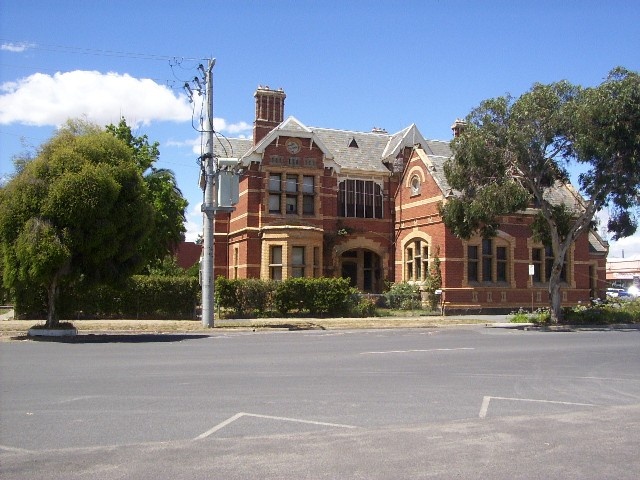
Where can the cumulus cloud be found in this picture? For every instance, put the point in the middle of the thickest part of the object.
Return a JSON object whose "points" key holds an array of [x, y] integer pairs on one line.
{"points": [[16, 47], [49, 100]]}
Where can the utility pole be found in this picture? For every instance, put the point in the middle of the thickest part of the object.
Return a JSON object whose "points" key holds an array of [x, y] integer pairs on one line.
{"points": [[219, 180], [209, 205]]}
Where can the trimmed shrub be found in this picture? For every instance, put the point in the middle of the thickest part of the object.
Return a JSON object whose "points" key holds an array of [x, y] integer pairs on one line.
{"points": [[316, 296], [244, 296], [289, 295]]}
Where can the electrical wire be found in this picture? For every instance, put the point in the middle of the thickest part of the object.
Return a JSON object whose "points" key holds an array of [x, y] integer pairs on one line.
{"points": [[97, 52]]}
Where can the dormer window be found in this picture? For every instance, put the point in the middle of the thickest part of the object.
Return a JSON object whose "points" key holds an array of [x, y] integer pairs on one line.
{"points": [[353, 143]]}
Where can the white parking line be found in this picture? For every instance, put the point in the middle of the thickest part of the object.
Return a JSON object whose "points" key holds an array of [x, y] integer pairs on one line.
{"points": [[485, 403], [413, 351], [232, 419]]}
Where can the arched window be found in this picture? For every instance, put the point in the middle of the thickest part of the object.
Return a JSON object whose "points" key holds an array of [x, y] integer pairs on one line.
{"points": [[415, 185], [416, 260]]}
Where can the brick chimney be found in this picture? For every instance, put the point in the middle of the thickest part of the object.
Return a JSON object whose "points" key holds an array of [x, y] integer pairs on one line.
{"points": [[458, 127], [269, 111]]}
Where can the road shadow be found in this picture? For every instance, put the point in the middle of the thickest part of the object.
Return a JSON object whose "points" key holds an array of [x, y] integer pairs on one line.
{"points": [[115, 338]]}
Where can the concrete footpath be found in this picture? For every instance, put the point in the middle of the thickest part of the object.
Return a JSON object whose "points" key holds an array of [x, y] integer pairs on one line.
{"points": [[10, 327]]}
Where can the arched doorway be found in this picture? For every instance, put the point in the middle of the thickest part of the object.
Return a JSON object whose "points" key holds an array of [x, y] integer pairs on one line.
{"points": [[363, 268]]}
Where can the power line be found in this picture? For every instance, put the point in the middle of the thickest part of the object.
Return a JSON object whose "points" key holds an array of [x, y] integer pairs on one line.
{"points": [[98, 52]]}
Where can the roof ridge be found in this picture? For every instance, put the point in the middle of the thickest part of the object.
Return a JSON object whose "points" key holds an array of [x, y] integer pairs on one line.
{"points": [[378, 134]]}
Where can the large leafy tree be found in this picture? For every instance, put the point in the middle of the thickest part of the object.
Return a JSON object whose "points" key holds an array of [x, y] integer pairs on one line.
{"points": [[78, 211], [169, 205], [515, 152]]}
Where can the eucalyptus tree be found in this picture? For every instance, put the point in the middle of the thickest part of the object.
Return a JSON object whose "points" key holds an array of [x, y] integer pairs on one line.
{"points": [[77, 211], [517, 152], [169, 205]]}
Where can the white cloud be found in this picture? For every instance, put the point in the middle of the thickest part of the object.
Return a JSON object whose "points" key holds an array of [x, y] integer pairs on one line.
{"points": [[43, 100], [220, 125], [193, 223], [16, 47], [627, 247]]}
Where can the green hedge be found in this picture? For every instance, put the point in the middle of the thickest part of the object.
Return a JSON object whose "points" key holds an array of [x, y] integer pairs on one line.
{"points": [[312, 296], [245, 297], [141, 296]]}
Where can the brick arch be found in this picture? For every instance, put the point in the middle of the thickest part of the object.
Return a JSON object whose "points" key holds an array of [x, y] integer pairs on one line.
{"points": [[412, 237], [361, 243], [413, 171]]}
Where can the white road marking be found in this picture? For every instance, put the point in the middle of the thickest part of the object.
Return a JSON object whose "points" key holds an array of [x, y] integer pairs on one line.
{"points": [[485, 403], [413, 351], [237, 416], [14, 449]]}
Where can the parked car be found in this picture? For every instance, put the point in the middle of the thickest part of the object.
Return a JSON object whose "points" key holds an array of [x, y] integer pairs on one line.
{"points": [[634, 291], [617, 293]]}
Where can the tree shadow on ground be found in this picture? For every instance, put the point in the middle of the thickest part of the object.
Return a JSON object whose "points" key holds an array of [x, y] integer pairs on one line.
{"points": [[116, 338]]}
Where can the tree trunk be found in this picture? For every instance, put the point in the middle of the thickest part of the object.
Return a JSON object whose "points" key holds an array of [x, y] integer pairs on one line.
{"points": [[52, 294], [555, 299]]}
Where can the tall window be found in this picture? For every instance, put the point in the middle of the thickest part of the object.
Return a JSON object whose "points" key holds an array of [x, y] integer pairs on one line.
{"points": [[472, 263], [275, 262], [292, 194], [536, 260], [297, 190], [359, 198], [487, 262], [275, 190], [297, 262], [316, 262], [307, 195], [417, 260], [501, 264], [542, 260]]}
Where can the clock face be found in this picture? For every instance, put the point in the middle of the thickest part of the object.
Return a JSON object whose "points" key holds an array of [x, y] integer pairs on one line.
{"points": [[293, 146]]}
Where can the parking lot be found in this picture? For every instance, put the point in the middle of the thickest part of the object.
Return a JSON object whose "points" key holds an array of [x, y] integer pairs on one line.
{"points": [[463, 402]]}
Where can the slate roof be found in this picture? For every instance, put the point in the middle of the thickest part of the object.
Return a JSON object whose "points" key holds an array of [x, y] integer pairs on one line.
{"points": [[434, 154], [355, 150], [365, 152], [232, 147], [370, 153]]}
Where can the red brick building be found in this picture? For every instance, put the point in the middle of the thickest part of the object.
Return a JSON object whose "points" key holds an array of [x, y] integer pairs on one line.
{"points": [[364, 205]]}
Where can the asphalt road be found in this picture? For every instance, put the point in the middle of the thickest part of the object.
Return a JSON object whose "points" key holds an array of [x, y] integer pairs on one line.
{"points": [[464, 402]]}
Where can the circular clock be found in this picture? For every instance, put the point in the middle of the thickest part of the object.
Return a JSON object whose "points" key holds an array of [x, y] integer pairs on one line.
{"points": [[293, 146]]}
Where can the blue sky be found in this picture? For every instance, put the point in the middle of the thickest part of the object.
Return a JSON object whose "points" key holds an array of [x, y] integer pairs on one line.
{"points": [[350, 65]]}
